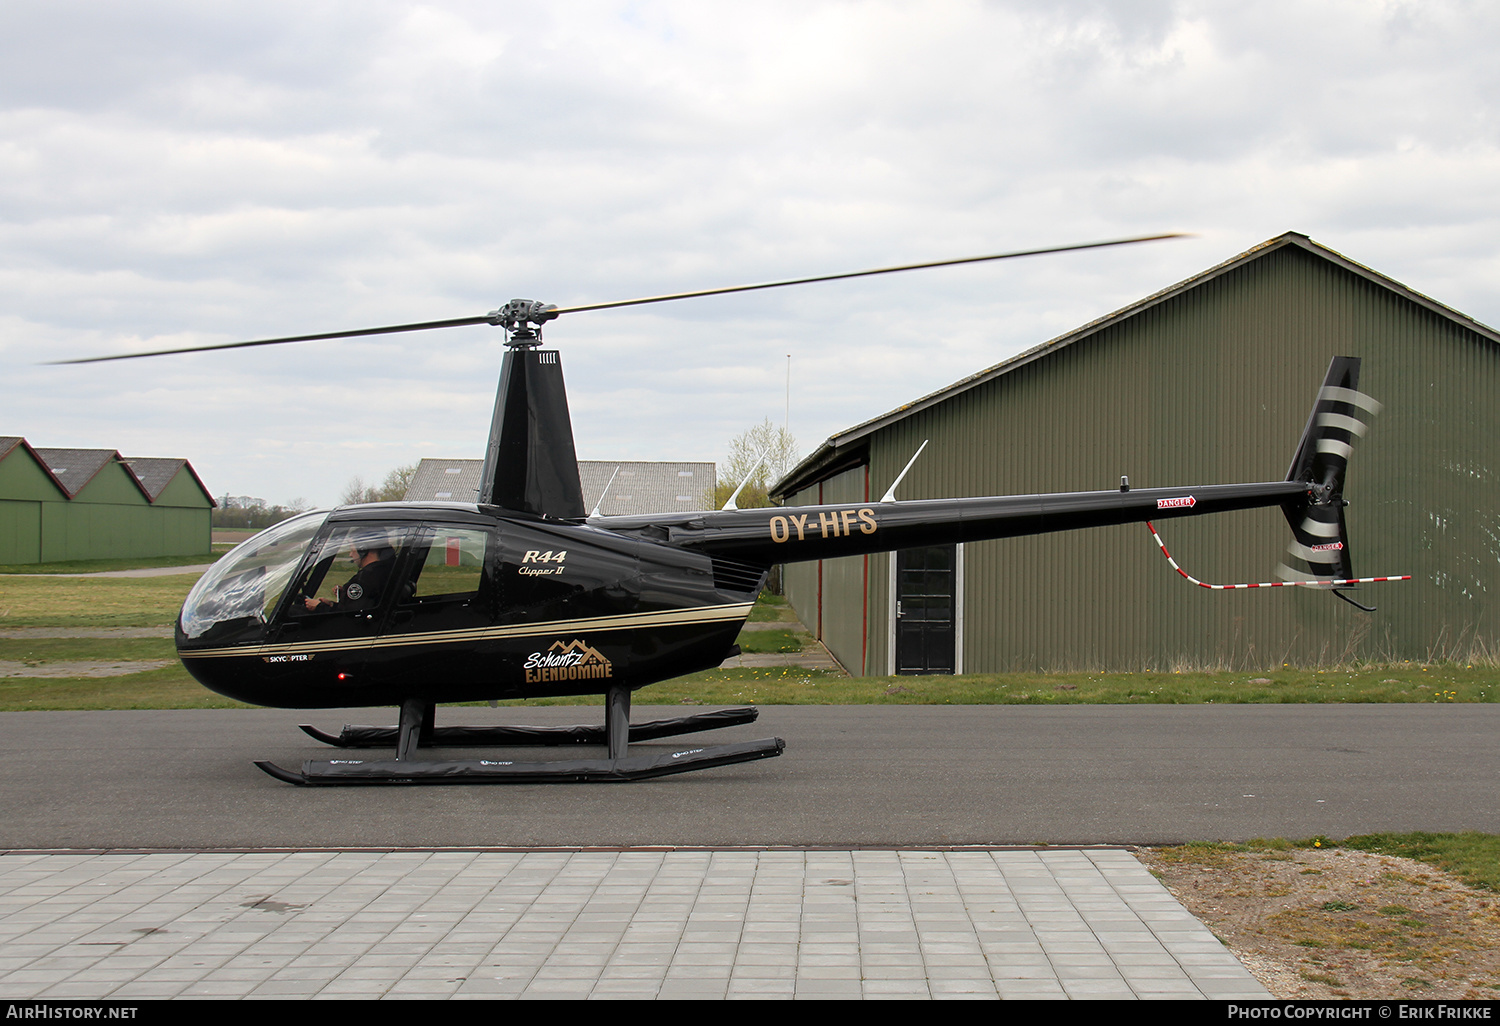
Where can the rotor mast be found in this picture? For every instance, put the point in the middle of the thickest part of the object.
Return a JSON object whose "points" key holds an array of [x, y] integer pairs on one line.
{"points": [[530, 461]]}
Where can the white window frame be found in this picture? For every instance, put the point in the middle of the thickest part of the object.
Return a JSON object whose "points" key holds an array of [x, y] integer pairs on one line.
{"points": [[958, 613]]}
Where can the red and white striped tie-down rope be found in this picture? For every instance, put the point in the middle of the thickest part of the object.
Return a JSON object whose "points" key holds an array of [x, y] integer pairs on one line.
{"points": [[1266, 584]]}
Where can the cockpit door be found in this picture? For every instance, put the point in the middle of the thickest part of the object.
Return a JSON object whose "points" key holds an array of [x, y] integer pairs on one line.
{"points": [[447, 596], [334, 608]]}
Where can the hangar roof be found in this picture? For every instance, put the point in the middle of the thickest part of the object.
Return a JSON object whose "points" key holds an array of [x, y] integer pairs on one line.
{"points": [[642, 487], [445, 480], [155, 474], [72, 469], [75, 468], [840, 450]]}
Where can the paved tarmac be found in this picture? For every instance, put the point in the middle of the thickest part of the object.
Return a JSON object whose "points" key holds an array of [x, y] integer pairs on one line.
{"points": [[851, 776], [679, 924], [239, 885]]}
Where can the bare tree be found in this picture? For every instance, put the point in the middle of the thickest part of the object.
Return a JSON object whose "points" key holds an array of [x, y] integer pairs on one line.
{"points": [[244, 511], [767, 440], [392, 489], [354, 492]]}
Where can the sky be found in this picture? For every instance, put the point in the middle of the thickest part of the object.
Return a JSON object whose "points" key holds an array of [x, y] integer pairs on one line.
{"points": [[182, 173]]}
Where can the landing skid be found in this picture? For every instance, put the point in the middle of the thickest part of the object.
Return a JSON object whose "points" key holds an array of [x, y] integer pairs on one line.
{"points": [[416, 730], [358, 736]]}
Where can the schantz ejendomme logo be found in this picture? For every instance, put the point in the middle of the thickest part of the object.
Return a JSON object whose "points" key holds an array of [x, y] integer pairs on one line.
{"points": [[571, 660]]}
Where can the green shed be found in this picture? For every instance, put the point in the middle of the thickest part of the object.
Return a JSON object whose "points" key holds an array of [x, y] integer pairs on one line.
{"points": [[1209, 381], [26, 488], [70, 504]]}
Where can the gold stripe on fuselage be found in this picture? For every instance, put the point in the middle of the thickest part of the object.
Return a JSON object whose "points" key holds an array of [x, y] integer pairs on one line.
{"points": [[595, 624]]}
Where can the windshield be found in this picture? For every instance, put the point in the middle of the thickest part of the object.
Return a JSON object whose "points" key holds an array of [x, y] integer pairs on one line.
{"points": [[247, 584]]}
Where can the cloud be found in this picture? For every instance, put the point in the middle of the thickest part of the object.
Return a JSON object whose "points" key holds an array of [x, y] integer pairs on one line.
{"points": [[176, 173]]}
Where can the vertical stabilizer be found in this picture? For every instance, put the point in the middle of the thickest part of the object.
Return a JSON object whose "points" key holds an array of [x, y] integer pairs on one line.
{"points": [[1340, 417], [530, 464]]}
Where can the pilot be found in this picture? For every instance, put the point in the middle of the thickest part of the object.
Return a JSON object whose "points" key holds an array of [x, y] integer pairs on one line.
{"points": [[375, 559]]}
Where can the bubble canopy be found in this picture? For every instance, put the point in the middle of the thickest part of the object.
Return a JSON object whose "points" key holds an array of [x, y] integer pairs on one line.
{"points": [[243, 589]]}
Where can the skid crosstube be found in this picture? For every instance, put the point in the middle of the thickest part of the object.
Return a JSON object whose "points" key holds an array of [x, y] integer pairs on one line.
{"points": [[357, 736], [486, 771]]}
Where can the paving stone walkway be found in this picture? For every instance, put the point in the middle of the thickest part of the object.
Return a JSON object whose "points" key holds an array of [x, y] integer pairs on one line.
{"points": [[813, 657], [1055, 923]]}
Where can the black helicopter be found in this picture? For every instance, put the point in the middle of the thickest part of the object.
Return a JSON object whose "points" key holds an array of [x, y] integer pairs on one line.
{"points": [[524, 594]]}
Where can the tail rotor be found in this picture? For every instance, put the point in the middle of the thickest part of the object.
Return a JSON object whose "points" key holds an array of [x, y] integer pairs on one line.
{"points": [[1319, 551]]}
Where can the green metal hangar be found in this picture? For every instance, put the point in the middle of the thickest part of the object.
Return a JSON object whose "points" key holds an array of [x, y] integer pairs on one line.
{"points": [[67, 504], [1210, 381]]}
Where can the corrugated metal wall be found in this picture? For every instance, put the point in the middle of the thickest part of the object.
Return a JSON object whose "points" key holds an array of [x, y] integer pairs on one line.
{"points": [[844, 623], [1214, 386], [843, 617], [800, 580]]}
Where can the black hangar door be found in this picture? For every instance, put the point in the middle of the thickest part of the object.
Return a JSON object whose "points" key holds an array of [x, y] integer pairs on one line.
{"points": [[926, 603]]}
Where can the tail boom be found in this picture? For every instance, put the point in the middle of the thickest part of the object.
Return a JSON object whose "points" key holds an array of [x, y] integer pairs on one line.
{"points": [[792, 534]]}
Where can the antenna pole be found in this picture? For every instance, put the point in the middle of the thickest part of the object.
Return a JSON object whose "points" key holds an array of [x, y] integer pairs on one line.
{"points": [[890, 493]]}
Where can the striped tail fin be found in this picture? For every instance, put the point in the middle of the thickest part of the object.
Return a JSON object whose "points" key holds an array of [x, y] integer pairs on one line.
{"points": [[1320, 539]]}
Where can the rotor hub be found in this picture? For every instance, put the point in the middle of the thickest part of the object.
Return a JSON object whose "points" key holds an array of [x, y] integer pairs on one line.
{"points": [[522, 320]]}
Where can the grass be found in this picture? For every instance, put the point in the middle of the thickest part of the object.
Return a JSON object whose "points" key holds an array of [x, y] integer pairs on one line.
{"points": [[167, 688], [95, 566], [92, 601], [1367, 926], [772, 609], [73, 602], [797, 686], [1472, 857], [772, 641]]}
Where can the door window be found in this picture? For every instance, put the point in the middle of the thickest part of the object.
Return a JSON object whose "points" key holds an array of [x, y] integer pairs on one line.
{"points": [[453, 564], [924, 610], [351, 571]]}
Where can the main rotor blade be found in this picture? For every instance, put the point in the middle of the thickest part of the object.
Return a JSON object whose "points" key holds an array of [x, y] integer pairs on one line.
{"points": [[485, 318], [866, 274], [392, 329]]}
